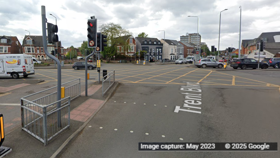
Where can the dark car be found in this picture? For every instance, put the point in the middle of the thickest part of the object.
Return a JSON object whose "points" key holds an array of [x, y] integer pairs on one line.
{"points": [[247, 63], [274, 62], [81, 65]]}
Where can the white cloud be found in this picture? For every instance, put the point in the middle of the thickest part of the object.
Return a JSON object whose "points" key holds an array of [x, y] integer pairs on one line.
{"points": [[147, 16]]}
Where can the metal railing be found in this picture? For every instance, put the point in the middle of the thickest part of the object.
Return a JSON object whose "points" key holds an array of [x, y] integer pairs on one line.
{"points": [[108, 82], [43, 116]]}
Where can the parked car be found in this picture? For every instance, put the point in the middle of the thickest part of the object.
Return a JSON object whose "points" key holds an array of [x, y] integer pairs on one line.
{"points": [[274, 62], [81, 65], [189, 59], [266, 60], [180, 61], [36, 61], [247, 63], [205, 62]]}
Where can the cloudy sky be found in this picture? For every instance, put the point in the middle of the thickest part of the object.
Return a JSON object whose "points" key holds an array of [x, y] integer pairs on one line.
{"points": [[147, 16]]}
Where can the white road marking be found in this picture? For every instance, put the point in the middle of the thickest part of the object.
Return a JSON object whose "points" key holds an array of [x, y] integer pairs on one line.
{"points": [[115, 129], [125, 102], [178, 108], [131, 131], [89, 126], [9, 104], [163, 136], [181, 139], [144, 103], [155, 104], [147, 134], [101, 127], [134, 103]]}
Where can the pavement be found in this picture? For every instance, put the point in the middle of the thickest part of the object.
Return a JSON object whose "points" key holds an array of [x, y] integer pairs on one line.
{"points": [[83, 109]]}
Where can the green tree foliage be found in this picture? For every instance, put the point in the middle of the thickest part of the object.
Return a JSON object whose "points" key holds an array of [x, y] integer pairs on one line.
{"points": [[72, 53], [143, 34], [85, 48], [113, 33], [204, 48], [142, 53]]}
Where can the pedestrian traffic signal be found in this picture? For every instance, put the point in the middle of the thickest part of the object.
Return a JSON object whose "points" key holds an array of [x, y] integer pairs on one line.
{"points": [[92, 23], [103, 41], [98, 42], [52, 30]]}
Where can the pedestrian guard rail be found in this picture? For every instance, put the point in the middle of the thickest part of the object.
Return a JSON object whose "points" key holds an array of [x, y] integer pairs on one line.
{"points": [[107, 82], [43, 116]]}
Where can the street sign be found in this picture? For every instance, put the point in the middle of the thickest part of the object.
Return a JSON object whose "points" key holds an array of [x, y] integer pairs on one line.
{"points": [[91, 43], [97, 48]]}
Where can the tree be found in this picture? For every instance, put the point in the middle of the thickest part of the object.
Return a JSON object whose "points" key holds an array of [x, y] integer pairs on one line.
{"points": [[113, 33], [143, 34], [85, 48], [72, 53], [142, 54], [204, 48]]}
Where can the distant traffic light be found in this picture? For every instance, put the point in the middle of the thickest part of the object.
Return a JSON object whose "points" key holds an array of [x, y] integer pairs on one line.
{"points": [[103, 42], [98, 41], [52, 30], [92, 23], [261, 45], [212, 48]]}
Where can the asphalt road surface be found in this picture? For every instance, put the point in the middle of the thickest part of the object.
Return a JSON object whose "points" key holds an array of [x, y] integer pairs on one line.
{"points": [[179, 104]]}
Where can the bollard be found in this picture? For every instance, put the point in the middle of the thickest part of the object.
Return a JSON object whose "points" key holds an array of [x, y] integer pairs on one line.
{"points": [[87, 75], [62, 92], [144, 62], [2, 134], [137, 62]]}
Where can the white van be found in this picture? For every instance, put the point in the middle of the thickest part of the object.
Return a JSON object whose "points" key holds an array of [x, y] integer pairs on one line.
{"points": [[16, 65], [36, 61]]}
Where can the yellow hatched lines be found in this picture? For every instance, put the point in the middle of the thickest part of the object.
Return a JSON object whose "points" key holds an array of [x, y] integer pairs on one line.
{"points": [[1, 95], [180, 76], [205, 77], [157, 75]]}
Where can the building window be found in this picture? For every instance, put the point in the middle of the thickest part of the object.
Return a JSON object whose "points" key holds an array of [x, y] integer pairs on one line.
{"points": [[130, 40], [3, 49], [171, 50], [150, 42], [3, 40], [122, 49], [155, 42], [145, 42], [158, 42], [42, 50], [29, 42], [131, 48]]}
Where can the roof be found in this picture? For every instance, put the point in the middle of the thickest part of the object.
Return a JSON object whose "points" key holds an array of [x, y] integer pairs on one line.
{"points": [[10, 39], [246, 42], [187, 44], [142, 39], [268, 37], [36, 40], [273, 48], [170, 42], [124, 38]]}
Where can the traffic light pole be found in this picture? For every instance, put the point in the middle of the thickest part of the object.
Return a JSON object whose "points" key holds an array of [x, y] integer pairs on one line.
{"points": [[86, 68], [43, 13]]}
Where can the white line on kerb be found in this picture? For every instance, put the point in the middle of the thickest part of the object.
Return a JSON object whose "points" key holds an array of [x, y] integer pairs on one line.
{"points": [[9, 104]]}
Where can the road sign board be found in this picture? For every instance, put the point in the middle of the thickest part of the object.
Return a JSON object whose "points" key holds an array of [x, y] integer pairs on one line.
{"points": [[91, 43], [97, 48]]}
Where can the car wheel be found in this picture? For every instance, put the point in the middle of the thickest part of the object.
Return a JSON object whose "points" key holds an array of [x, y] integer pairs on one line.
{"points": [[203, 66], [90, 67], [25, 76], [254, 68], [243, 67], [15, 75], [214, 67], [76, 68], [264, 67], [220, 66], [235, 67]]}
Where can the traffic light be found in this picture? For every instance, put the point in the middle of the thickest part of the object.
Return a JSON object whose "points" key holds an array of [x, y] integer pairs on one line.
{"points": [[52, 52], [261, 45], [52, 30], [98, 42], [92, 23], [103, 42], [212, 48]]}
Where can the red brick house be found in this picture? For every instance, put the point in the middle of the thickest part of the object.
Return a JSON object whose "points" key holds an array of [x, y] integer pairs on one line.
{"points": [[188, 49], [130, 50], [10, 45], [33, 45]]}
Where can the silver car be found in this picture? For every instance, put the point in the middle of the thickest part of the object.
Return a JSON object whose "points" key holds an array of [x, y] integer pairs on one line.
{"points": [[208, 63], [180, 61]]}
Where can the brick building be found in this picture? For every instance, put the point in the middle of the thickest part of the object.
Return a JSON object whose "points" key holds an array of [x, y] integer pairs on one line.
{"points": [[10, 45]]}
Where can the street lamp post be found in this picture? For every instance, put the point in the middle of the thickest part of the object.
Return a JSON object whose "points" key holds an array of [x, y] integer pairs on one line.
{"points": [[239, 33], [56, 42], [29, 38], [198, 44], [220, 32], [163, 33]]}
